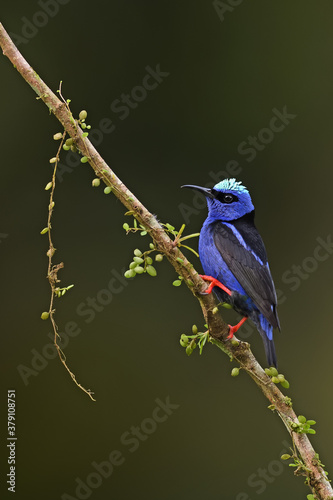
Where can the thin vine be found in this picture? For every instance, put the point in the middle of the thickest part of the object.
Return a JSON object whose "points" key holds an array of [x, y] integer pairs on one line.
{"points": [[53, 269]]}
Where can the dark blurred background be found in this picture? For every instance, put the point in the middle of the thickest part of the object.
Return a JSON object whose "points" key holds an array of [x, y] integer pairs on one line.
{"points": [[226, 73]]}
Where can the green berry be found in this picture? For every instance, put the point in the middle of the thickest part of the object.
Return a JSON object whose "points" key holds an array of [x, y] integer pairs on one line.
{"points": [[130, 273], [151, 270], [66, 148], [151, 246], [58, 136], [139, 270], [275, 380], [83, 125], [138, 260], [84, 159], [194, 329], [149, 260], [235, 372], [176, 283], [96, 182], [189, 350], [53, 160], [137, 252], [215, 310], [107, 190], [184, 338], [133, 265], [126, 226], [281, 377], [69, 141], [83, 115], [182, 343], [235, 342], [45, 315], [159, 257]]}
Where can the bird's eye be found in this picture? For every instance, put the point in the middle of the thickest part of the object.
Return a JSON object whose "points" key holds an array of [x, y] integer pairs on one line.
{"points": [[227, 198]]}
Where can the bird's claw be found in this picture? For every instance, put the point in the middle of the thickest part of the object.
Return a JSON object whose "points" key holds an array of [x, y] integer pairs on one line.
{"points": [[213, 282]]}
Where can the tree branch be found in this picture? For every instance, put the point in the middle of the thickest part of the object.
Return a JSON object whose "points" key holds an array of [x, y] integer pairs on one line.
{"points": [[310, 464]]}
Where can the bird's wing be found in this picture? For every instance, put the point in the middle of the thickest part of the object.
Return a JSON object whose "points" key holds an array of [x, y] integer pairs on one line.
{"points": [[252, 273]]}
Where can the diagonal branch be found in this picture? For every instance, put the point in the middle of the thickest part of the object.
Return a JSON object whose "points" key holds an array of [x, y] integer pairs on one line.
{"points": [[311, 466]]}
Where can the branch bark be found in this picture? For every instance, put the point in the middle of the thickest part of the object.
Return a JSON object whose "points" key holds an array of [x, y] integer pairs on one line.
{"points": [[311, 468]]}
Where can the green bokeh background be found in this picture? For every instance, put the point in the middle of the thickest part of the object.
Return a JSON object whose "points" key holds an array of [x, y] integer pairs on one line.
{"points": [[225, 79]]}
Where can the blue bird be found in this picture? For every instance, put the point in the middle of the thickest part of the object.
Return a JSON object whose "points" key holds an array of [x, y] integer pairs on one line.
{"points": [[234, 260]]}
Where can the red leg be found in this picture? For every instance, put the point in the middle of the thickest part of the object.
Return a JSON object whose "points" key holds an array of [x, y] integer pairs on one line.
{"points": [[214, 282], [233, 329]]}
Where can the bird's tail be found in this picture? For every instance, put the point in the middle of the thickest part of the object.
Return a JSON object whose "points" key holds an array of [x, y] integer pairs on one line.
{"points": [[266, 332]]}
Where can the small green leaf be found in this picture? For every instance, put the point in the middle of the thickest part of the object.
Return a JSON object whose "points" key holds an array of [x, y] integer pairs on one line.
{"points": [[143, 233], [85, 134], [149, 260], [137, 252], [301, 419], [48, 186], [45, 230], [311, 422], [139, 270], [53, 160], [285, 456], [58, 136], [84, 159], [126, 226], [107, 190], [311, 431], [45, 315], [285, 384], [194, 329]]}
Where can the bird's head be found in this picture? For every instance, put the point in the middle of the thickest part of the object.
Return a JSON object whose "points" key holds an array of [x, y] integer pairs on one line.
{"points": [[228, 200]]}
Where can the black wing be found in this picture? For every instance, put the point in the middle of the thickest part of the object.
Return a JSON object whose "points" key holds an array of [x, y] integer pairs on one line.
{"points": [[254, 277]]}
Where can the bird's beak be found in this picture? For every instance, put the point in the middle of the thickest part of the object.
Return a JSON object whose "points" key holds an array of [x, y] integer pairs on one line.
{"points": [[206, 191]]}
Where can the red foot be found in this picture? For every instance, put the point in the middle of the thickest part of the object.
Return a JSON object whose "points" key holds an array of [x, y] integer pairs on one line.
{"points": [[233, 329], [214, 282]]}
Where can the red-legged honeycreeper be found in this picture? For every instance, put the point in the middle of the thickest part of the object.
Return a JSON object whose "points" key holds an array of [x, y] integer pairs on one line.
{"points": [[234, 259]]}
